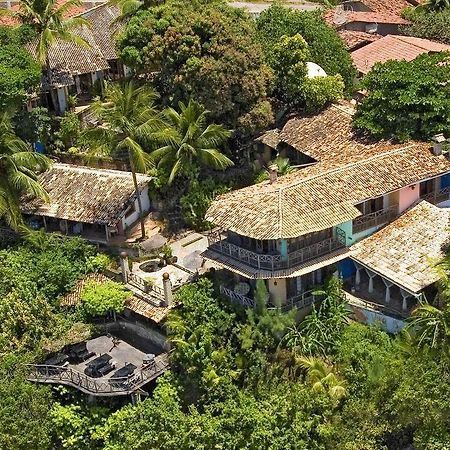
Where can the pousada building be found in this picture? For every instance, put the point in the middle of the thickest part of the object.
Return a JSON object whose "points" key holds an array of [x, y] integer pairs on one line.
{"points": [[293, 231]]}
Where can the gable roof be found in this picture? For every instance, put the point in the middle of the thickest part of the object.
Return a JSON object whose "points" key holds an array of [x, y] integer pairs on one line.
{"points": [[69, 58], [393, 47], [329, 137], [84, 194], [405, 251], [104, 28], [311, 200]]}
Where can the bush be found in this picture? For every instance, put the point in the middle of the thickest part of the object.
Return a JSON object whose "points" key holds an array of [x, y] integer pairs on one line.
{"points": [[97, 299], [69, 129], [197, 201], [320, 91]]}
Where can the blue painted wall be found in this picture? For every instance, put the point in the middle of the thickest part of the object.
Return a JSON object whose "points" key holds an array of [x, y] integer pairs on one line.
{"points": [[445, 181], [346, 268]]}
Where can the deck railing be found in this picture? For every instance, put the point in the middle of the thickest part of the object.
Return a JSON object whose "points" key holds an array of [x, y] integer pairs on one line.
{"points": [[142, 284], [375, 219], [437, 196], [237, 298], [44, 373], [276, 261], [298, 301]]}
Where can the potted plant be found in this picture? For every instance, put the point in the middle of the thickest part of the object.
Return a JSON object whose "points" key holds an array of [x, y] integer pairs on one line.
{"points": [[168, 254], [148, 284]]}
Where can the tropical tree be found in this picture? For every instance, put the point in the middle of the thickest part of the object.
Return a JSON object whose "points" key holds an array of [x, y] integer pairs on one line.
{"points": [[322, 377], [188, 142], [430, 327], [130, 121], [18, 173], [48, 18]]}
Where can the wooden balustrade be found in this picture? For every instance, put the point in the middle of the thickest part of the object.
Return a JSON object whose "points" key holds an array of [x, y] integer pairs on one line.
{"points": [[375, 219], [277, 262], [44, 373], [437, 196]]}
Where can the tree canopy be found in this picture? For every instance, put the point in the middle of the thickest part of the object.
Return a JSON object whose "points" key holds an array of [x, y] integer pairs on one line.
{"points": [[325, 46], [20, 75], [201, 50], [428, 24], [407, 100]]}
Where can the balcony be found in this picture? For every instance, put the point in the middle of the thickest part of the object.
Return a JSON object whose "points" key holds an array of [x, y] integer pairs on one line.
{"points": [[375, 219], [275, 261], [298, 301], [437, 196]]}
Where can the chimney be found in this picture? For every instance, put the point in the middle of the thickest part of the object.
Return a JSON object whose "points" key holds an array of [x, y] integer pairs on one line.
{"points": [[124, 266], [438, 144], [167, 286], [273, 173]]}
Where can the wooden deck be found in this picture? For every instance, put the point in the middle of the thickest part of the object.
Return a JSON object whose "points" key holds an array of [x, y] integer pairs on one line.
{"points": [[104, 387]]}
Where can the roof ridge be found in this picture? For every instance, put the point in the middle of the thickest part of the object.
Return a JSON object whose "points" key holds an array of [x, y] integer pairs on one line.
{"points": [[96, 170]]}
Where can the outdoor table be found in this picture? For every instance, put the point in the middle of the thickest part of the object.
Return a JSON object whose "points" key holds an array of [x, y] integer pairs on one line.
{"points": [[124, 372]]}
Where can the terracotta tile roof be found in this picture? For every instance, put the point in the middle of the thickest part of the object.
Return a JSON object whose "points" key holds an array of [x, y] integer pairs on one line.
{"points": [[405, 250], [375, 17], [144, 309], [103, 28], [353, 39], [141, 307], [329, 137], [308, 200], [271, 138], [387, 6], [83, 194], [74, 297], [72, 59], [393, 47]]}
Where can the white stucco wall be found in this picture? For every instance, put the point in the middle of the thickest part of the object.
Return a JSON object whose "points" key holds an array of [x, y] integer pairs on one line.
{"points": [[145, 199], [369, 317]]}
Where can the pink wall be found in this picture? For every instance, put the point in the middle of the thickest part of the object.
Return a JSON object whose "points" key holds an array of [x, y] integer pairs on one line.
{"points": [[407, 196]]}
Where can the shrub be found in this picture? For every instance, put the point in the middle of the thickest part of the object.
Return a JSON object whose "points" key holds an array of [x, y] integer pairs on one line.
{"points": [[197, 201]]}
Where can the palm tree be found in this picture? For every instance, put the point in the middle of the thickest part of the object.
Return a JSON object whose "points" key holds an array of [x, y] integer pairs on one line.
{"points": [[130, 121], [48, 19], [188, 142], [129, 8], [18, 168], [322, 377], [430, 326]]}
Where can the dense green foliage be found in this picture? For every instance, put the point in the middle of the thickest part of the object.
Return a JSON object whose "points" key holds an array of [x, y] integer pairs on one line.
{"points": [[19, 74], [429, 25], [197, 200], [188, 142], [289, 59], [201, 50], [19, 168], [325, 46], [32, 277], [99, 299], [407, 100]]}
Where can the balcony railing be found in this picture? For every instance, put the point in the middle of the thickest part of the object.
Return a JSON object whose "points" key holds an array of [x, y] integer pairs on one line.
{"points": [[276, 261], [44, 373], [298, 301], [437, 196], [375, 219]]}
